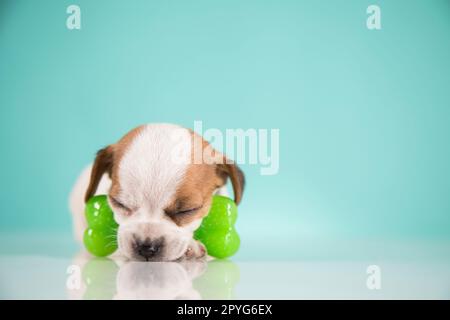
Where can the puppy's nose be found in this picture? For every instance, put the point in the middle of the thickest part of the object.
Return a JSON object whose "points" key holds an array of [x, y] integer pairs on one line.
{"points": [[149, 249]]}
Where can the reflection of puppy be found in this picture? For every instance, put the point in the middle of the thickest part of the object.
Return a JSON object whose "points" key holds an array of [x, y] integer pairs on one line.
{"points": [[158, 280], [123, 279], [158, 194]]}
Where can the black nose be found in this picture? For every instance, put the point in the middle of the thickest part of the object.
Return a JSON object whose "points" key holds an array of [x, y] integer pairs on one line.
{"points": [[149, 249]]}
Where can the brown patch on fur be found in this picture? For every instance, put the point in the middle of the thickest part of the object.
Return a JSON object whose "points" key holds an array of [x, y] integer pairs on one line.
{"points": [[102, 164], [195, 191], [200, 182], [119, 150], [224, 167], [107, 161], [236, 176]]}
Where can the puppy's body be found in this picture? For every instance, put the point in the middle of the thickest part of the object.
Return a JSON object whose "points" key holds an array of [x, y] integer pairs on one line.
{"points": [[157, 193]]}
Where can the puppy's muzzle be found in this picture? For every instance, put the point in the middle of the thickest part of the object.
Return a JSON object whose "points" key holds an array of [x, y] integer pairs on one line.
{"points": [[149, 248]]}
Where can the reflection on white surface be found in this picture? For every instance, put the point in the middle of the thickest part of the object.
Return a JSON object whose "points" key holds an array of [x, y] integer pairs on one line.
{"points": [[103, 278], [38, 277]]}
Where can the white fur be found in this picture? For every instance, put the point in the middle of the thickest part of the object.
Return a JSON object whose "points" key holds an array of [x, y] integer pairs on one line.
{"points": [[147, 173], [149, 177]]}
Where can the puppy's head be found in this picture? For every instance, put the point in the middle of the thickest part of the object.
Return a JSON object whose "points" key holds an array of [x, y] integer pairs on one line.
{"points": [[159, 193]]}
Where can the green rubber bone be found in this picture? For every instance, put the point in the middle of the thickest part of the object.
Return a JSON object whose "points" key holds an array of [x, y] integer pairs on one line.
{"points": [[216, 231], [100, 238]]}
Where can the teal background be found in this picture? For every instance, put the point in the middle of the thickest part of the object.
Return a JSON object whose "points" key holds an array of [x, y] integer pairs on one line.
{"points": [[363, 115]]}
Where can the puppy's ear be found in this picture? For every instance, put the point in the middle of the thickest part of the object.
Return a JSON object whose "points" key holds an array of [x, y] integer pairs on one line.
{"points": [[230, 169], [102, 164]]}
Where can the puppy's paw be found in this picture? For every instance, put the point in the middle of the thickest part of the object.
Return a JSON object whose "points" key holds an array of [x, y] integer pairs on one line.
{"points": [[195, 250]]}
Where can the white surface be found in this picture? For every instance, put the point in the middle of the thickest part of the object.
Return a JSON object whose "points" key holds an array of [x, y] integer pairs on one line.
{"points": [[409, 270]]}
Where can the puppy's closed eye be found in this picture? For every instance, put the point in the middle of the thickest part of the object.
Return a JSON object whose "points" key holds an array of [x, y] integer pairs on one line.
{"points": [[187, 211], [183, 211], [183, 207], [120, 205]]}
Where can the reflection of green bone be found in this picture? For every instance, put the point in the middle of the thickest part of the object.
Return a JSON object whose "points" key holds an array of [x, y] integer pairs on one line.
{"points": [[218, 281], [217, 230], [99, 276]]}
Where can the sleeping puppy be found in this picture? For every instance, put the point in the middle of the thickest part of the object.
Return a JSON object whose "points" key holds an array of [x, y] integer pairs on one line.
{"points": [[160, 179]]}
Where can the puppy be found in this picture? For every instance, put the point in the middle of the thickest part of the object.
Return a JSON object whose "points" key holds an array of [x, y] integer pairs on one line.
{"points": [[158, 190]]}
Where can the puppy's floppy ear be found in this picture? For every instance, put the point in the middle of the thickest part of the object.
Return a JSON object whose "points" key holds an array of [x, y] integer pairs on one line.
{"points": [[103, 163], [230, 169]]}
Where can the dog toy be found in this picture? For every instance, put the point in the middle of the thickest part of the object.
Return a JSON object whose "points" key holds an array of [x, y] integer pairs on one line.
{"points": [[216, 231], [100, 238]]}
